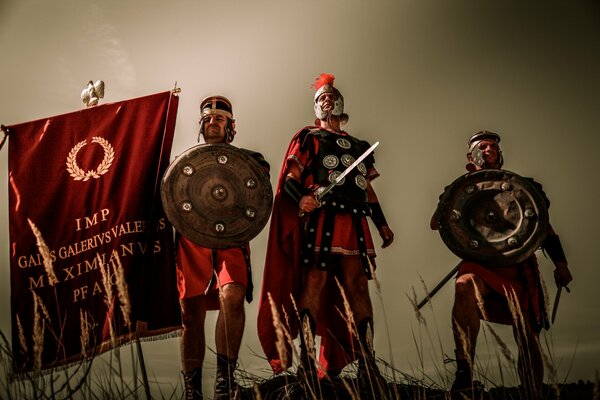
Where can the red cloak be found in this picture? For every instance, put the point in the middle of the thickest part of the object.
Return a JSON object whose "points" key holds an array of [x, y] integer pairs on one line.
{"points": [[282, 279]]}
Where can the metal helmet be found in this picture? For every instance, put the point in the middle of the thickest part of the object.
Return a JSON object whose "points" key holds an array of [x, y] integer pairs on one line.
{"points": [[217, 105], [476, 158], [324, 84]]}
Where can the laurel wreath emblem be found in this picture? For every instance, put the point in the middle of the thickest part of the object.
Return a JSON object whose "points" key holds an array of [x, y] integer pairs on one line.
{"points": [[79, 174]]}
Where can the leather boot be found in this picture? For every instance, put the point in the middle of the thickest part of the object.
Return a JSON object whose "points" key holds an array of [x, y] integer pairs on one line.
{"points": [[226, 387], [462, 387], [192, 384], [307, 372], [368, 375]]}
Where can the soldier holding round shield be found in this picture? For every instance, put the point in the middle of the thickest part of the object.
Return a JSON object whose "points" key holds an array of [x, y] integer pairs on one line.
{"points": [[495, 220], [217, 197]]}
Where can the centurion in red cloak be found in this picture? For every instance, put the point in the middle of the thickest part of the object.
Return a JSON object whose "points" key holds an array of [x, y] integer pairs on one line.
{"points": [[283, 282]]}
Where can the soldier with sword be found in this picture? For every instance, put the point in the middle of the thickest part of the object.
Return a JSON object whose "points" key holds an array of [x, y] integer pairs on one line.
{"points": [[495, 220], [319, 234]]}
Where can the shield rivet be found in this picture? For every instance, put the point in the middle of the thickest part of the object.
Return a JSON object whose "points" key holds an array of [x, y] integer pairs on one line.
{"points": [[219, 227], [219, 192], [470, 189], [506, 186], [512, 242], [250, 213], [188, 170], [455, 217], [222, 159], [186, 206], [491, 217], [529, 213], [474, 244], [250, 183]]}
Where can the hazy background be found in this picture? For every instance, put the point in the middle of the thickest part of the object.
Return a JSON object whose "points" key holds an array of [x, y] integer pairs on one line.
{"points": [[419, 76]]}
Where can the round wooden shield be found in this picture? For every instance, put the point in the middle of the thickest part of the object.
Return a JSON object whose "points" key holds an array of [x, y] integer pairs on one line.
{"points": [[217, 195], [494, 217]]}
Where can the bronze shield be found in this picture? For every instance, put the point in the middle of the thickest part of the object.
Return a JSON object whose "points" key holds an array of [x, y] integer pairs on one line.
{"points": [[493, 217], [217, 195]]}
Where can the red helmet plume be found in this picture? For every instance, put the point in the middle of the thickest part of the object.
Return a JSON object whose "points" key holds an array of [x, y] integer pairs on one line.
{"points": [[322, 80]]}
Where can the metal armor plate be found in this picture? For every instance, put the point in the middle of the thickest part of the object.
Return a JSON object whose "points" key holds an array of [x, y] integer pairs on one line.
{"points": [[217, 195], [493, 217]]}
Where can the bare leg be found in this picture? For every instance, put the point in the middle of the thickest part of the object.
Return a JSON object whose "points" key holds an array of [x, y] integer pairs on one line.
{"points": [[192, 345], [356, 288], [228, 337], [465, 315], [465, 327], [308, 308], [314, 282], [193, 342], [530, 364], [230, 323]]}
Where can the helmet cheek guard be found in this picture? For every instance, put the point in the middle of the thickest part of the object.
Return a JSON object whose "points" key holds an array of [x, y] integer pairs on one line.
{"points": [[474, 155], [324, 84], [230, 130], [338, 105]]}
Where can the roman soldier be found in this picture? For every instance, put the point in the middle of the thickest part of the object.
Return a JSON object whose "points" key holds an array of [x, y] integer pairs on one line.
{"points": [[317, 239], [214, 278], [488, 288]]}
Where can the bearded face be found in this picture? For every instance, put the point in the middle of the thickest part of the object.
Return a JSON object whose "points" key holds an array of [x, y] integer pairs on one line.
{"points": [[217, 128]]}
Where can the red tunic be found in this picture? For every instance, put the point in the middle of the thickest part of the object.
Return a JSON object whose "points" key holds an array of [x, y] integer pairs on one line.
{"points": [[195, 270], [523, 279]]}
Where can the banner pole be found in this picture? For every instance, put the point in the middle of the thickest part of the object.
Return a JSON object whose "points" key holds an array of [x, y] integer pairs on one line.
{"points": [[143, 367], [138, 344]]}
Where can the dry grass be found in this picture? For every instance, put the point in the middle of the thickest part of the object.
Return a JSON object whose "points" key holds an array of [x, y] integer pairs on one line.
{"points": [[78, 382], [71, 380]]}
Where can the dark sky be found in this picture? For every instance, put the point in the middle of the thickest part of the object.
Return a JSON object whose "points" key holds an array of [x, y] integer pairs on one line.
{"points": [[418, 76]]}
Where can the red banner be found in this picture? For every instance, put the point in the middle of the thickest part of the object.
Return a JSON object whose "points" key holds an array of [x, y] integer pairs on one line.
{"points": [[92, 255]]}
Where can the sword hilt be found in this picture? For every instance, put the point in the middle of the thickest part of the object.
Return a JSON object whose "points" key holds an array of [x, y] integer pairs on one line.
{"points": [[301, 213]]}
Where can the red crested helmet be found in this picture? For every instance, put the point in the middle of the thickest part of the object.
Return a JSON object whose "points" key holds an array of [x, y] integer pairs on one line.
{"points": [[324, 84]]}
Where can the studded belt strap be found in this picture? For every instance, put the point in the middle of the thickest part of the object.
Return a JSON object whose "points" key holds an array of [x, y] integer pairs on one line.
{"points": [[331, 208]]}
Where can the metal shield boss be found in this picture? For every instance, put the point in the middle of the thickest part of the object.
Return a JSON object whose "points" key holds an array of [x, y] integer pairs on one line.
{"points": [[493, 217], [217, 195]]}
